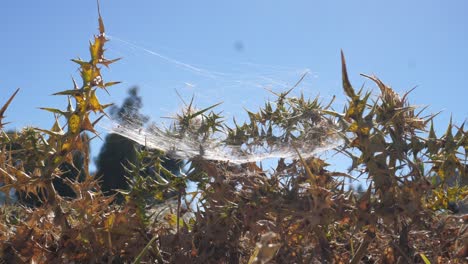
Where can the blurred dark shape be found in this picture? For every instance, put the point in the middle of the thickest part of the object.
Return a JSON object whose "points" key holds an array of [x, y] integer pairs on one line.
{"points": [[239, 46], [119, 152], [453, 206]]}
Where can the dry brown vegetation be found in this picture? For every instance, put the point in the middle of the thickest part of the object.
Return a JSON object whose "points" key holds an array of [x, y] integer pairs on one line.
{"points": [[299, 213]]}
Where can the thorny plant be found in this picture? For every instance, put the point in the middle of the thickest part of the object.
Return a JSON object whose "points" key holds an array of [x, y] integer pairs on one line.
{"points": [[240, 213]]}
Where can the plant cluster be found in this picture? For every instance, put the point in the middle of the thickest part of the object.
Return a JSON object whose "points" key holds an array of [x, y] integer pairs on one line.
{"points": [[300, 212]]}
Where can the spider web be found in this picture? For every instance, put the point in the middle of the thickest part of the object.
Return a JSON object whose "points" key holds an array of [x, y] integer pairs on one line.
{"points": [[241, 86], [190, 146]]}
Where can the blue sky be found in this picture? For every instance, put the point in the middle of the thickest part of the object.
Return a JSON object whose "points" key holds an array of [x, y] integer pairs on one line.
{"points": [[230, 51]]}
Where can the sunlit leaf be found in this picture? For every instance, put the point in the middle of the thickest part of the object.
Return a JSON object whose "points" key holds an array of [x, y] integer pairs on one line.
{"points": [[109, 84], [5, 106], [424, 258], [97, 49], [87, 125], [348, 88], [94, 104], [54, 110], [107, 62], [109, 223], [450, 143], [74, 123], [81, 62], [73, 92]]}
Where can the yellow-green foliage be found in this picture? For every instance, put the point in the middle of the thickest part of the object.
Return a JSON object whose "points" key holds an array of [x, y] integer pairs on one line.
{"points": [[299, 213]]}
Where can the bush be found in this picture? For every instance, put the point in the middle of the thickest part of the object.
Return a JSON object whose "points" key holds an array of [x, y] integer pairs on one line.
{"points": [[239, 213]]}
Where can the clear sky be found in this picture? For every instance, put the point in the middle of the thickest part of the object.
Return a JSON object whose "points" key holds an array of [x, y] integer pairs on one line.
{"points": [[230, 51]]}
